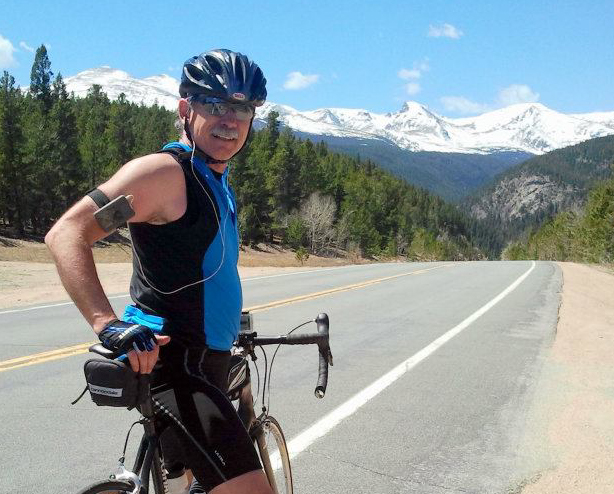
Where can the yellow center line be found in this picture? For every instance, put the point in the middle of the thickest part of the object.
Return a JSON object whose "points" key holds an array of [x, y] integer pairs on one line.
{"points": [[309, 296], [39, 358]]}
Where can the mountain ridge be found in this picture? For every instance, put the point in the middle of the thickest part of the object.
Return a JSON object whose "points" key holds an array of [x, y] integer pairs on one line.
{"points": [[524, 127], [528, 194]]}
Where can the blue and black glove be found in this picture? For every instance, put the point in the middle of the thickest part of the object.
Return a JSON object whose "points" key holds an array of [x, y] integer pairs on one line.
{"points": [[122, 337]]}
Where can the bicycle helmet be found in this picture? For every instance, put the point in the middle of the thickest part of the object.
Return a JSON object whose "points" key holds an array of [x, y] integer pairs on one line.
{"points": [[224, 74]]}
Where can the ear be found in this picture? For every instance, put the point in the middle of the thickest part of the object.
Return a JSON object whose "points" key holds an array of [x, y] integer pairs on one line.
{"points": [[183, 109]]}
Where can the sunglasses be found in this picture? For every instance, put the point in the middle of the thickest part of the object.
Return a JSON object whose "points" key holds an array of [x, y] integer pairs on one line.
{"points": [[218, 107]]}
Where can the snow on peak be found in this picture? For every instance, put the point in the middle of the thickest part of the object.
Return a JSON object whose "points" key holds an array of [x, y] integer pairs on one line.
{"points": [[530, 127], [413, 107], [162, 89]]}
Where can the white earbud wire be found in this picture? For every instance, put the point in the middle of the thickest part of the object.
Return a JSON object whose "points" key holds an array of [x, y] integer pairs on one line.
{"points": [[219, 227]]}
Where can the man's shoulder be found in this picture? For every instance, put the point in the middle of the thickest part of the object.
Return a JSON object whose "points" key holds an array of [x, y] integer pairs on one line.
{"points": [[155, 163]]}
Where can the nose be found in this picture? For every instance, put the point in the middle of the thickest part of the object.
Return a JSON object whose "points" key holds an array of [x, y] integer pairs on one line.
{"points": [[230, 117]]}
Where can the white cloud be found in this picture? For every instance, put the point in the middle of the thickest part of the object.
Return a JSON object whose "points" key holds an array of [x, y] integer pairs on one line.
{"points": [[416, 71], [25, 46], [445, 30], [462, 105], [6, 53], [517, 93], [296, 80], [407, 74], [511, 95], [412, 88]]}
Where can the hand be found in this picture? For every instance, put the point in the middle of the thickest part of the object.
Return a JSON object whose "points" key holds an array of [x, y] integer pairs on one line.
{"points": [[144, 362], [138, 341]]}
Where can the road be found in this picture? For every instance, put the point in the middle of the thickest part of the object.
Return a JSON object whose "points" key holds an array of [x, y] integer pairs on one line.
{"points": [[467, 343]]}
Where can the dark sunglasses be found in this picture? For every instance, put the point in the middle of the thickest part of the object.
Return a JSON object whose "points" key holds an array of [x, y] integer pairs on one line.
{"points": [[218, 107]]}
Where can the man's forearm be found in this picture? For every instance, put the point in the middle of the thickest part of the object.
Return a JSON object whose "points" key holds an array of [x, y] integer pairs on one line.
{"points": [[75, 263]]}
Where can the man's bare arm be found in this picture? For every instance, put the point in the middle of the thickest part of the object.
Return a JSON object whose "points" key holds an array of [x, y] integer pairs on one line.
{"points": [[158, 188], [70, 242]]}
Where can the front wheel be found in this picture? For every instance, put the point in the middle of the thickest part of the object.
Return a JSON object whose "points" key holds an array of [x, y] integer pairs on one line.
{"points": [[109, 487], [273, 451]]}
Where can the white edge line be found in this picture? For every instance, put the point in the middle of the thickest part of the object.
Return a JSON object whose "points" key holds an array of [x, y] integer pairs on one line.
{"points": [[328, 422], [10, 311], [55, 305]]}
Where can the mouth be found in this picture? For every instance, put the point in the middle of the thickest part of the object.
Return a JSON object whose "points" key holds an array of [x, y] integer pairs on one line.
{"points": [[225, 134]]}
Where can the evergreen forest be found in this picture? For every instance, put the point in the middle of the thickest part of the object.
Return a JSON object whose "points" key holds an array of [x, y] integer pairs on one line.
{"points": [[584, 236], [54, 147], [576, 169]]}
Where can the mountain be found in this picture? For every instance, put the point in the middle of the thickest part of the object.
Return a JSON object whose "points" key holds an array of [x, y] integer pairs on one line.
{"points": [[451, 157], [161, 89], [526, 195], [527, 127]]}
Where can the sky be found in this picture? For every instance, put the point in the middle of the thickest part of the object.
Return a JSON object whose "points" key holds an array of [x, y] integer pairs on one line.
{"points": [[456, 57]]}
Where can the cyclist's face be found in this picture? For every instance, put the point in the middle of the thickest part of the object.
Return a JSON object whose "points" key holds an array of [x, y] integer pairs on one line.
{"points": [[220, 136]]}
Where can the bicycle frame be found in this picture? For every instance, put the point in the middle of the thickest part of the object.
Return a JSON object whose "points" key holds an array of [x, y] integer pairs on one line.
{"points": [[149, 459], [252, 423]]}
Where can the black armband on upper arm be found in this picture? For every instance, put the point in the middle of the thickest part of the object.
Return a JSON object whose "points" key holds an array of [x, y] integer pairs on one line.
{"points": [[111, 213], [98, 196]]}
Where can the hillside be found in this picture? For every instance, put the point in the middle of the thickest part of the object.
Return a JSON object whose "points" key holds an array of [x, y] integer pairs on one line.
{"points": [[452, 176], [450, 157], [289, 191], [583, 236], [527, 195]]}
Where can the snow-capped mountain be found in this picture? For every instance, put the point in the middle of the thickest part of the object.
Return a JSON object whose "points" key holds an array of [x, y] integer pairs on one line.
{"points": [[527, 127], [160, 89]]}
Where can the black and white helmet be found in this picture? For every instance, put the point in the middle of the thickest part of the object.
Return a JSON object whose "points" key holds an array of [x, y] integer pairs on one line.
{"points": [[224, 74]]}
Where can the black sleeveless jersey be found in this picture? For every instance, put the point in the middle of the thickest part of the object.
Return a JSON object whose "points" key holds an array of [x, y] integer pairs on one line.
{"points": [[172, 260]]}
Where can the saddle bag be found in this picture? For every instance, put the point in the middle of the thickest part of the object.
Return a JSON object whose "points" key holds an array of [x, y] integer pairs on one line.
{"points": [[113, 383]]}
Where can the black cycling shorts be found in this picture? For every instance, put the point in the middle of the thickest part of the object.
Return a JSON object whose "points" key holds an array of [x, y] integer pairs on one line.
{"points": [[192, 384]]}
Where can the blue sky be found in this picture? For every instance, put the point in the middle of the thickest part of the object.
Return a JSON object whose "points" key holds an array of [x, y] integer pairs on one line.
{"points": [[457, 57]]}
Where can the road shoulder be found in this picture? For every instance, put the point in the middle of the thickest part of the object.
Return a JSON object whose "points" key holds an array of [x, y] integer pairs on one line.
{"points": [[571, 426], [30, 283]]}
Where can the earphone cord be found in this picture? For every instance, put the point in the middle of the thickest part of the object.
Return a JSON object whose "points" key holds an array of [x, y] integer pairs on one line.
{"points": [[219, 227]]}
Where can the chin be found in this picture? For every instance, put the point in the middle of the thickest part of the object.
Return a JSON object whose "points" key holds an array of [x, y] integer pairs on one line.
{"points": [[222, 156]]}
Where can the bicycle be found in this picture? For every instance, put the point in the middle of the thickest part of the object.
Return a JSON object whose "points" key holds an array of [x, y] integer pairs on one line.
{"points": [[262, 428]]}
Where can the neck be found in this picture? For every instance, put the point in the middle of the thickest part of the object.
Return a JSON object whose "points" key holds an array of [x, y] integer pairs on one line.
{"points": [[218, 167]]}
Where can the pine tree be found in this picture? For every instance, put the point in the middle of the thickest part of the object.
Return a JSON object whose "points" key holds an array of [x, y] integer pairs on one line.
{"points": [[272, 130], [119, 134], [12, 169], [66, 158], [93, 146], [40, 79], [44, 178]]}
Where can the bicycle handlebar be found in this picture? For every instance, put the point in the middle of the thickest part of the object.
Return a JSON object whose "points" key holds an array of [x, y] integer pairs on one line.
{"points": [[320, 338], [251, 338]]}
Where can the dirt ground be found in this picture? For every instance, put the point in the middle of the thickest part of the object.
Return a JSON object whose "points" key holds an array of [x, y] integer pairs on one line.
{"points": [[28, 275], [572, 431], [574, 406]]}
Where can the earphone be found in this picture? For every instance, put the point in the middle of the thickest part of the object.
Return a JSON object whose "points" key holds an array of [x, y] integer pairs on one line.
{"points": [[219, 227]]}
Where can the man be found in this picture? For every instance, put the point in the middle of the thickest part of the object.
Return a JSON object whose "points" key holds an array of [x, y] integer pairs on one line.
{"points": [[185, 282]]}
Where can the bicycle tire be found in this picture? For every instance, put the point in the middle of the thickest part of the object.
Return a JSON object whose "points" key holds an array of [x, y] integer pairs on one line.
{"points": [[273, 450], [109, 487]]}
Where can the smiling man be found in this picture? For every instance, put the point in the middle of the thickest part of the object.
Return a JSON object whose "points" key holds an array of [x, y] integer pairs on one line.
{"points": [[185, 285]]}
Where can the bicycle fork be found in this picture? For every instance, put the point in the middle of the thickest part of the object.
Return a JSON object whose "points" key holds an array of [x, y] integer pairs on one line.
{"points": [[254, 425]]}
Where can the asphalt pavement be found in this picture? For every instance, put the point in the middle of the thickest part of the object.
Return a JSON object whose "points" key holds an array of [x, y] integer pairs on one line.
{"points": [[451, 420]]}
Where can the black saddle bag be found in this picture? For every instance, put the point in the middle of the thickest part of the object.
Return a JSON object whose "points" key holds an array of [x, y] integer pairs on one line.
{"points": [[113, 383]]}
